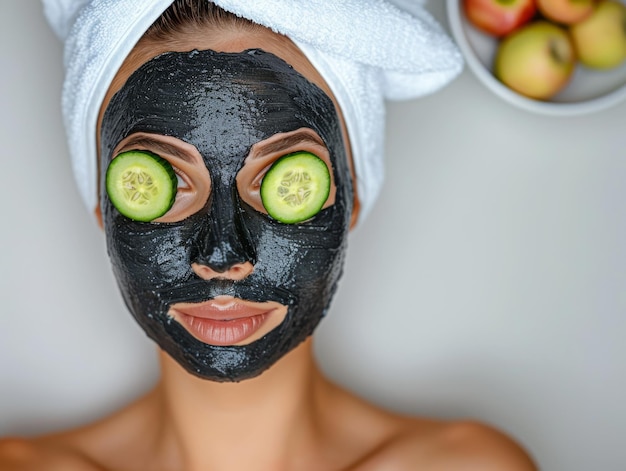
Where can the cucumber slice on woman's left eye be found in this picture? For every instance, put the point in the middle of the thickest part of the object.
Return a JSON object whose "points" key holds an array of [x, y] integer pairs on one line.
{"points": [[295, 187], [141, 185]]}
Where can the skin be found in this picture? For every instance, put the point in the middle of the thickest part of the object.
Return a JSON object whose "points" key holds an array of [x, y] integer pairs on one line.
{"points": [[288, 418]]}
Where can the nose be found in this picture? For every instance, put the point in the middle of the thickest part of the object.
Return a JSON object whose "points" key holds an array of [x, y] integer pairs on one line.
{"points": [[225, 250]]}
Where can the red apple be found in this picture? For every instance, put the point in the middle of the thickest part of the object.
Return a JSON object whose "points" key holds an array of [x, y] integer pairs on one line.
{"points": [[499, 17], [536, 60], [566, 11]]}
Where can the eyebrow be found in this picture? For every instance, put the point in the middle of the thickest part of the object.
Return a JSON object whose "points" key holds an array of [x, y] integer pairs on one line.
{"points": [[158, 147], [289, 141]]}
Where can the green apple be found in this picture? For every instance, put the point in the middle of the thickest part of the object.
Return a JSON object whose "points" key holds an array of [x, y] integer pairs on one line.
{"points": [[536, 60], [566, 11], [600, 40]]}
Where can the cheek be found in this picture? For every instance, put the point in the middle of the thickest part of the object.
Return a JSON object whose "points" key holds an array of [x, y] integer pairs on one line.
{"points": [[298, 257], [149, 257]]}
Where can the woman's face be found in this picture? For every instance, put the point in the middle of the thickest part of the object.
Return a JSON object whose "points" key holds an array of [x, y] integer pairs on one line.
{"points": [[220, 285]]}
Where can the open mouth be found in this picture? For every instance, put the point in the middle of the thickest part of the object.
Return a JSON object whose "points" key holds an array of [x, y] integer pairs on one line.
{"points": [[226, 320]]}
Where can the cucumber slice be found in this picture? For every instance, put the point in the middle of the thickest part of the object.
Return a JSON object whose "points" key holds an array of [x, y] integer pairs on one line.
{"points": [[295, 187], [141, 185]]}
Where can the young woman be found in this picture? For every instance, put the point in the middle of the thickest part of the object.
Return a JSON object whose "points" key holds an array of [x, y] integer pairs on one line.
{"points": [[229, 178]]}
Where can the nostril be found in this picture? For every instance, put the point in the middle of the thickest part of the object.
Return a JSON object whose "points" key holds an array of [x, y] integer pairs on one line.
{"points": [[235, 272], [240, 271]]}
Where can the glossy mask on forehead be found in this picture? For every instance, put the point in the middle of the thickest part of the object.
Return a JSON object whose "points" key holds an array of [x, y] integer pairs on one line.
{"points": [[223, 104]]}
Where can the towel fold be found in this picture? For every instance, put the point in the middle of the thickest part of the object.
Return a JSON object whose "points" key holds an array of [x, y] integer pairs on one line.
{"points": [[366, 50]]}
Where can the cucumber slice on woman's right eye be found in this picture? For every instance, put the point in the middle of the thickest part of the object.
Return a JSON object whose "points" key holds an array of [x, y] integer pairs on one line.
{"points": [[295, 187], [141, 185]]}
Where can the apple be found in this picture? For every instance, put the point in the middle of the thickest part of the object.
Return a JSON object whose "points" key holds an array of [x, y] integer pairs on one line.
{"points": [[499, 17], [566, 11], [536, 60], [600, 40]]}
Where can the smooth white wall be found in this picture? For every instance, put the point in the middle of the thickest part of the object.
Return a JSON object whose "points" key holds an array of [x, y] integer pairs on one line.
{"points": [[488, 282]]}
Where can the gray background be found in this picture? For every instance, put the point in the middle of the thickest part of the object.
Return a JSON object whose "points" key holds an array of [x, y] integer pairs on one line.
{"points": [[488, 282]]}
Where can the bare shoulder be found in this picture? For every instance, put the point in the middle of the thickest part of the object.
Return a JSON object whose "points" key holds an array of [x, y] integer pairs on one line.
{"points": [[449, 446], [112, 442], [21, 454]]}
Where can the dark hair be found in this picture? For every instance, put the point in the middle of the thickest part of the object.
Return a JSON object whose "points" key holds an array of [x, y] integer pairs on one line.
{"points": [[192, 15]]}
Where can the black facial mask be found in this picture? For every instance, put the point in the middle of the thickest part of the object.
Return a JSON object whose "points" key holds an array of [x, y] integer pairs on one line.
{"points": [[223, 103]]}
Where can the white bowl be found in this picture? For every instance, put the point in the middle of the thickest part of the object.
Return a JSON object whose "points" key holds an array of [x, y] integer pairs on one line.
{"points": [[588, 91]]}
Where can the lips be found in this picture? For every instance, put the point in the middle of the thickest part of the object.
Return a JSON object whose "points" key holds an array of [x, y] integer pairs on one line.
{"points": [[226, 320]]}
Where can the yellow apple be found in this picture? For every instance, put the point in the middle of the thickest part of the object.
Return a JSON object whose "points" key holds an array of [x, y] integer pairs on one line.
{"points": [[600, 40], [566, 11], [536, 60]]}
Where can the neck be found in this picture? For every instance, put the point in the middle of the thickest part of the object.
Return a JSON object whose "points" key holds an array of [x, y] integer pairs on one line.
{"points": [[255, 424]]}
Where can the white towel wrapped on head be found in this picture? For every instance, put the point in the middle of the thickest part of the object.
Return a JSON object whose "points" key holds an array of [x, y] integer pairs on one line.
{"points": [[366, 50]]}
